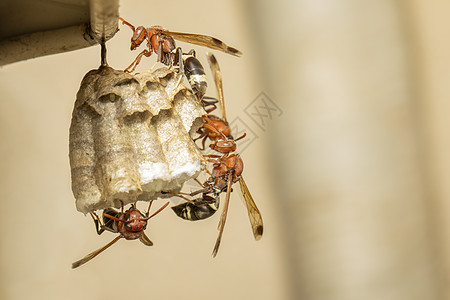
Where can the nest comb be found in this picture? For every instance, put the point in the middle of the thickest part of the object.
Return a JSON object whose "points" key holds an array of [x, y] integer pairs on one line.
{"points": [[130, 137]]}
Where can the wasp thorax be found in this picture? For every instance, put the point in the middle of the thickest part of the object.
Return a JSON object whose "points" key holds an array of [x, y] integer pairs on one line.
{"points": [[130, 137]]}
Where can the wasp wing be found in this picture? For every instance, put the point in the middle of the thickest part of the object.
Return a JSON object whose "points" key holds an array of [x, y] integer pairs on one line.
{"points": [[203, 40], [223, 217], [215, 70], [94, 254], [253, 212]]}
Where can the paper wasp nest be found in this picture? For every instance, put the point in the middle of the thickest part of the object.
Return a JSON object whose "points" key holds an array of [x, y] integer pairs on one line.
{"points": [[129, 140]]}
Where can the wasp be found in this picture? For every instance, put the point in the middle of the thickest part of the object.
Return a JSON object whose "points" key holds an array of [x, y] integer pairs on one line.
{"points": [[162, 42], [129, 224], [228, 170], [227, 167]]}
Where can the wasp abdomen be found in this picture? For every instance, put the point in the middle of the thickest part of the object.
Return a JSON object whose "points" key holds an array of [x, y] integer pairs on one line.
{"points": [[196, 76], [199, 210]]}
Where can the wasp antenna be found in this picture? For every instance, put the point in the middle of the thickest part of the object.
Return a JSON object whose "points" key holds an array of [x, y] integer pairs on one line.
{"points": [[126, 23], [241, 137], [158, 211]]}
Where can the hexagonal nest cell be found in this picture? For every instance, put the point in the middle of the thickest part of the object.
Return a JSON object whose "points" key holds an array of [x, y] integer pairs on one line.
{"points": [[130, 137]]}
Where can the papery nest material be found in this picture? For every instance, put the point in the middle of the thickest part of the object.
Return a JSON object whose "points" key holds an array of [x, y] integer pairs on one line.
{"points": [[130, 137]]}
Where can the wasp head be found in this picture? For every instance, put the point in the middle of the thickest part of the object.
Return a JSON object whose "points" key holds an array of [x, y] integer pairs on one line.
{"points": [[138, 37], [135, 221], [223, 146]]}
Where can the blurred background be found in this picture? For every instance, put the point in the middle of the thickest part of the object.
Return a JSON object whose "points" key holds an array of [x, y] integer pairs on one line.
{"points": [[345, 104]]}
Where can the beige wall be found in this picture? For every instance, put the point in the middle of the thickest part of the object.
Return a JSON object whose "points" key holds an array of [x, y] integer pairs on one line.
{"points": [[351, 178], [429, 29]]}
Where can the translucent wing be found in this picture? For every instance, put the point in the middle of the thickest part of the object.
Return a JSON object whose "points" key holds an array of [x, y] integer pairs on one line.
{"points": [[253, 212], [203, 40], [145, 240], [94, 254], [215, 70], [223, 217]]}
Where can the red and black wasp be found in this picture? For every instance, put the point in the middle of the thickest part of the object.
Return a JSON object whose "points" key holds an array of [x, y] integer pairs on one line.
{"points": [[129, 224]]}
